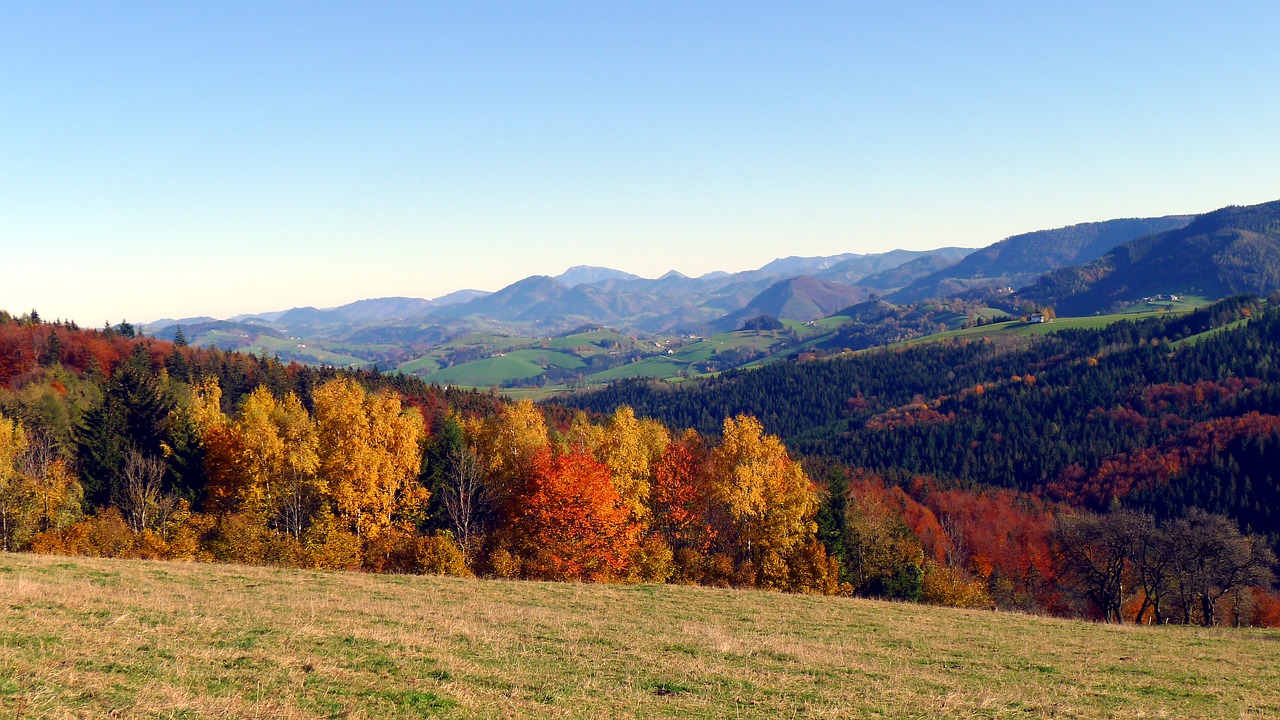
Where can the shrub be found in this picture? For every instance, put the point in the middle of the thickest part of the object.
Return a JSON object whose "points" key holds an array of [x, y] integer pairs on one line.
{"points": [[652, 562], [503, 564], [942, 585], [330, 547], [440, 554], [105, 534]]}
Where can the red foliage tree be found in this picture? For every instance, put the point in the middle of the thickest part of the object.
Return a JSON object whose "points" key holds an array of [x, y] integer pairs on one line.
{"points": [[682, 497], [571, 522], [1002, 536]]}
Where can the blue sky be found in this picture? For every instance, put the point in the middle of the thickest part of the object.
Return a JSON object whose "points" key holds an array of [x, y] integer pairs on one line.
{"points": [[178, 159]]}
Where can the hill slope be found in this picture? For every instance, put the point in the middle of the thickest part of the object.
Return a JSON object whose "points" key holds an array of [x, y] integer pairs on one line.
{"points": [[1017, 260], [98, 638], [1232, 250], [800, 298], [972, 411], [909, 272]]}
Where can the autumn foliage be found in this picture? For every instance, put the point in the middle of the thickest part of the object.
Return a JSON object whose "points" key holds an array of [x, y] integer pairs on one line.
{"points": [[572, 523], [120, 447]]}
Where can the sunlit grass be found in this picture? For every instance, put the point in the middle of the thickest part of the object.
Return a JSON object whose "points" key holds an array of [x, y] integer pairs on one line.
{"points": [[93, 638]]}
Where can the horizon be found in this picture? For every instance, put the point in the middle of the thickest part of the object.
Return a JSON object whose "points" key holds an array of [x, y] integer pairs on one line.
{"points": [[215, 160]]}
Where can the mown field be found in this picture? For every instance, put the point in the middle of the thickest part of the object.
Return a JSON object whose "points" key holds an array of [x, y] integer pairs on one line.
{"points": [[95, 638]]}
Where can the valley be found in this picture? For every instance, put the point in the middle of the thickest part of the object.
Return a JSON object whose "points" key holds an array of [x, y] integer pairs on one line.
{"points": [[591, 325]]}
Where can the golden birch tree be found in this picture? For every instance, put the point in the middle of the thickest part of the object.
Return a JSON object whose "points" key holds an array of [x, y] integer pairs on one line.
{"points": [[369, 455]]}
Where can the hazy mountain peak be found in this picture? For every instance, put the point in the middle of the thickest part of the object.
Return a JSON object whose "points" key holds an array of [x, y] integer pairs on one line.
{"points": [[459, 296], [796, 264], [579, 274]]}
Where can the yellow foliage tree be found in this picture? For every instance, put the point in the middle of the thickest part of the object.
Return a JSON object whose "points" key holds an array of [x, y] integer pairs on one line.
{"points": [[632, 449], [507, 445], [57, 491], [300, 490], [369, 456], [279, 459], [38, 492], [770, 499], [17, 496], [224, 452], [261, 448], [206, 404]]}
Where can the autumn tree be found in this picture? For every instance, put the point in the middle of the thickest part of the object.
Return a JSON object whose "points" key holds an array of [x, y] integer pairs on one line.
{"points": [[684, 506], [222, 445], [16, 493], [883, 558], [1002, 537], [769, 498], [632, 448], [368, 451], [139, 490], [276, 461], [506, 445], [1212, 559], [1094, 552], [299, 490], [1153, 555], [572, 523], [57, 491]]}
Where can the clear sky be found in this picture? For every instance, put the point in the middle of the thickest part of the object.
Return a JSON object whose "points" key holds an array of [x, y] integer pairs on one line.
{"points": [[182, 158]]}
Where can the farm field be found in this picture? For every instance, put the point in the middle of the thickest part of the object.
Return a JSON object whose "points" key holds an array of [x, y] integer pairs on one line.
{"points": [[93, 638], [1018, 327]]}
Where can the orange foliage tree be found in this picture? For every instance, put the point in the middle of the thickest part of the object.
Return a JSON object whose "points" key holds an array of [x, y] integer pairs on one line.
{"points": [[572, 523]]}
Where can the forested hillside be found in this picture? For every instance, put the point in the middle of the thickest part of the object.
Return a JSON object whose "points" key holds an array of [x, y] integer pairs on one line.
{"points": [[1163, 415], [119, 446], [1232, 250], [952, 473], [1017, 260]]}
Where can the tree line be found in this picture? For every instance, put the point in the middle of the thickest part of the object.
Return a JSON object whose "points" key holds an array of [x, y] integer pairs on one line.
{"points": [[1077, 415], [132, 447]]}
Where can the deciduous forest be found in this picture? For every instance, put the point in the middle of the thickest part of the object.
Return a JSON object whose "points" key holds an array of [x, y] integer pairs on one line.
{"points": [[1124, 474]]}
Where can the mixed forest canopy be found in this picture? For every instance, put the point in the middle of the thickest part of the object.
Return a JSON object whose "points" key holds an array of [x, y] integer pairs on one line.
{"points": [[970, 472]]}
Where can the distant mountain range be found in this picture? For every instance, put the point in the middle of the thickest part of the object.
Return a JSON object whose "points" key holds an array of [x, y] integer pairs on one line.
{"points": [[1080, 269], [799, 288]]}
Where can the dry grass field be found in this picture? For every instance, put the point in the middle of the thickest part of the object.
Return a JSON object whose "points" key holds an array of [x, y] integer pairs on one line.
{"points": [[96, 638]]}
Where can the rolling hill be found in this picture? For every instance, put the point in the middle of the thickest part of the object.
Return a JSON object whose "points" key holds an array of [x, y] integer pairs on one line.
{"points": [[89, 637], [1018, 260], [1229, 251], [801, 298]]}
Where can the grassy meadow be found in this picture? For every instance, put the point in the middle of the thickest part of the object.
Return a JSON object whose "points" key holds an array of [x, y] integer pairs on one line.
{"points": [[94, 638]]}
